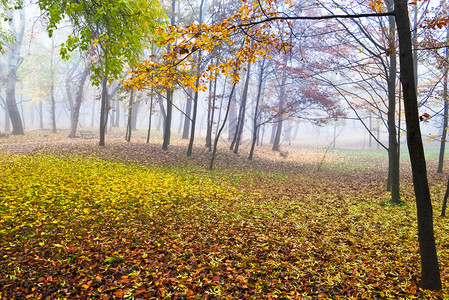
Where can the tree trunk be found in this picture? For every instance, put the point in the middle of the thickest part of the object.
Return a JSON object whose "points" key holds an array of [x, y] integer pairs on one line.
{"points": [[256, 110], [162, 115], [277, 137], [130, 113], [7, 119], [221, 104], [430, 273], [209, 114], [78, 100], [149, 118], [168, 118], [14, 61], [167, 124], [242, 114], [187, 119], [195, 110], [393, 158], [210, 118], [370, 137], [232, 118], [445, 114], [52, 88], [117, 113], [136, 106], [443, 209], [103, 110]]}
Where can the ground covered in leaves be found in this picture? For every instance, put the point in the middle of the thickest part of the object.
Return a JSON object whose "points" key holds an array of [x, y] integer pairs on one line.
{"points": [[131, 221]]}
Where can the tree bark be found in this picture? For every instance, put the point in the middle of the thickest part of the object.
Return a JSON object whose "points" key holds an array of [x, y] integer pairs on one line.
{"points": [[232, 118], [167, 123], [187, 119], [103, 110], [210, 118], [445, 113], [393, 158], [194, 115], [52, 88], [277, 136], [256, 110], [14, 61], [430, 273], [78, 100], [149, 118], [446, 195], [168, 118], [239, 132], [130, 114], [136, 106]]}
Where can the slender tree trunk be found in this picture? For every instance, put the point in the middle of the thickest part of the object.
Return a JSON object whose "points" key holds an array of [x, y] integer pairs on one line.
{"points": [[197, 84], [445, 113], [430, 273], [277, 137], [232, 118], [7, 119], [130, 113], [78, 100], [181, 116], [168, 118], [136, 106], [167, 123], [149, 118], [14, 61], [242, 111], [446, 195], [393, 159], [117, 113], [209, 114], [103, 110], [194, 115], [52, 88], [212, 113], [162, 115], [256, 110], [187, 119], [370, 141], [221, 104]]}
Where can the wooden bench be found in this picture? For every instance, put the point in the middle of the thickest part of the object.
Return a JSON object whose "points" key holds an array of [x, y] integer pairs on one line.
{"points": [[86, 134]]}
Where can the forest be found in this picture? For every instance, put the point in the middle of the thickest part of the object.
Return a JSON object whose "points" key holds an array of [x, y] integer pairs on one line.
{"points": [[224, 149]]}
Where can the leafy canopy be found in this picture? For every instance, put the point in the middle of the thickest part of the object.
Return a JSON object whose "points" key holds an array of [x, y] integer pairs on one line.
{"points": [[5, 14], [116, 29]]}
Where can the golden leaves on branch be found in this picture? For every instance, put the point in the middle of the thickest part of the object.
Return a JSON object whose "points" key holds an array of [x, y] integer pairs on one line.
{"points": [[246, 41]]}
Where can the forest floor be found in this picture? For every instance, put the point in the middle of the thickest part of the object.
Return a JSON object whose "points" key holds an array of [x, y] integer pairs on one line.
{"points": [[129, 220]]}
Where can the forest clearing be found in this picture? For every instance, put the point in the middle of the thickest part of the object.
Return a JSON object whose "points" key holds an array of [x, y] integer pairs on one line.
{"points": [[129, 220]]}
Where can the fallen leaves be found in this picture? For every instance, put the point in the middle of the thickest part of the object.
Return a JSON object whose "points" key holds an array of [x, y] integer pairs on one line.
{"points": [[83, 227]]}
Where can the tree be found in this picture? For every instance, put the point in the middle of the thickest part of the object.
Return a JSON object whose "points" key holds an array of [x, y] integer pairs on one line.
{"points": [[14, 62], [430, 274], [75, 110], [117, 29]]}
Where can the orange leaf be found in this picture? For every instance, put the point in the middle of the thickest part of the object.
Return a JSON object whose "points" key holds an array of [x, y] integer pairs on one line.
{"points": [[119, 294]]}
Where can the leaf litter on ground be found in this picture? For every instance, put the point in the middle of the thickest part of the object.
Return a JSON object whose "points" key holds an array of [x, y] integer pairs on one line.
{"points": [[131, 221]]}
